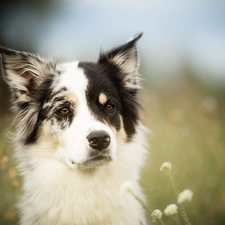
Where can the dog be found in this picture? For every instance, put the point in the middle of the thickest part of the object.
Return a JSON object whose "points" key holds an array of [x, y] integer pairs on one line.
{"points": [[78, 137]]}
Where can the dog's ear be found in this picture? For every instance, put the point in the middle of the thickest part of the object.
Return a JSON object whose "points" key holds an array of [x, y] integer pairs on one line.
{"points": [[22, 72], [125, 58]]}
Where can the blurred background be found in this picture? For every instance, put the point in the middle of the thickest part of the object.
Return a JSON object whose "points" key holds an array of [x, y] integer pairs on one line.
{"points": [[182, 61]]}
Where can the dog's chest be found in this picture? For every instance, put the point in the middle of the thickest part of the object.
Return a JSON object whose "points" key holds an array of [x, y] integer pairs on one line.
{"points": [[64, 198]]}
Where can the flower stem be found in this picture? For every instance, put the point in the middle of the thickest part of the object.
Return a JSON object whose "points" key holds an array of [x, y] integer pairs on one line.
{"points": [[184, 215], [139, 200], [176, 191], [160, 221]]}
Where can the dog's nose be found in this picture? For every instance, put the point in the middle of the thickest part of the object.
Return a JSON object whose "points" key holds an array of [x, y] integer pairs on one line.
{"points": [[99, 140]]}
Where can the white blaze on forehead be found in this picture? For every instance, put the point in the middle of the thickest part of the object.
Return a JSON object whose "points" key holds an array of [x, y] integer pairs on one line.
{"points": [[73, 79]]}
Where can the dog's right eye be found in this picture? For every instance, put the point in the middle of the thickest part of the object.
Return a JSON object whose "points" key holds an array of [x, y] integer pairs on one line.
{"points": [[64, 111]]}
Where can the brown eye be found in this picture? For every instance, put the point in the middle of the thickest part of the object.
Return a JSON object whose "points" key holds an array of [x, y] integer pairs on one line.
{"points": [[64, 111], [109, 107]]}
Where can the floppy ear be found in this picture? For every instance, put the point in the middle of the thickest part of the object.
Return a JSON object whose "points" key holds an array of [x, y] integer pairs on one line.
{"points": [[22, 72], [125, 58]]}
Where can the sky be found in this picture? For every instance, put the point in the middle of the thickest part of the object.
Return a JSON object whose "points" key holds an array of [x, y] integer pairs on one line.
{"points": [[174, 31]]}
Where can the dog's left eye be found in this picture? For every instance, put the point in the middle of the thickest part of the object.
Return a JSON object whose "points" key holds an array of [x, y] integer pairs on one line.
{"points": [[64, 111], [109, 107]]}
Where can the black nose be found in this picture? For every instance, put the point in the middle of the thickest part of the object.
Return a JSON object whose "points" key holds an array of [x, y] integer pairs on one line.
{"points": [[99, 140]]}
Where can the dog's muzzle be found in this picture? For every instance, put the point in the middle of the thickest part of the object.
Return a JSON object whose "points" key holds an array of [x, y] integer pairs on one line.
{"points": [[99, 155], [99, 151]]}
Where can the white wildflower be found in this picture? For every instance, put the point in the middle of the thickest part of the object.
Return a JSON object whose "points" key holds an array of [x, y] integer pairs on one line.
{"points": [[185, 196], [171, 209], [125, 187], [166, 166], [156, 214]]}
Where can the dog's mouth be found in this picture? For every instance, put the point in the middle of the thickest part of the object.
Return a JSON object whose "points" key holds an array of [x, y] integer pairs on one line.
{"points": [[99, 160], [100, 157]]}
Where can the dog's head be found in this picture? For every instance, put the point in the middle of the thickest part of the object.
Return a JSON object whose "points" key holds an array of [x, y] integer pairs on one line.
{"points": [[79, 111]]}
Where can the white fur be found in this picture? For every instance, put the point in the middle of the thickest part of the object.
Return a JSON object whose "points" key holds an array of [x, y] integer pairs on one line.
{"points": [[78, 196], [56, 192]]}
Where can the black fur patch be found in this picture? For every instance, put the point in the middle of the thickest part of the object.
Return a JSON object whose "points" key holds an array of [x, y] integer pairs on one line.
{"points": [[107, 78]]}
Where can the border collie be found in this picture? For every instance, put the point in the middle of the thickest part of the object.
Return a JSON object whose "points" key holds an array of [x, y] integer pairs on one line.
{"points": [[78, 138]]}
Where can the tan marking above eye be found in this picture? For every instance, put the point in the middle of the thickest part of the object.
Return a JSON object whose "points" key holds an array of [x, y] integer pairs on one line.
{"points": [[72, 98], [102, 99]]}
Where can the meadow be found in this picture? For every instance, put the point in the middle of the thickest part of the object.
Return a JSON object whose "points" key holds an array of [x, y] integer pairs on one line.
{"points": [[188, 130]]}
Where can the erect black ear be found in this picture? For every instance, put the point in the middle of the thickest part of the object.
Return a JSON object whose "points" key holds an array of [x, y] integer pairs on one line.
{"points": [[125, 58], [23, 72]]}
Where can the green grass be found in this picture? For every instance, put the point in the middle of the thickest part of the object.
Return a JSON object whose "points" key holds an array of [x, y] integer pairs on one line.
{"points": [[186, 134], [192, 138]]}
